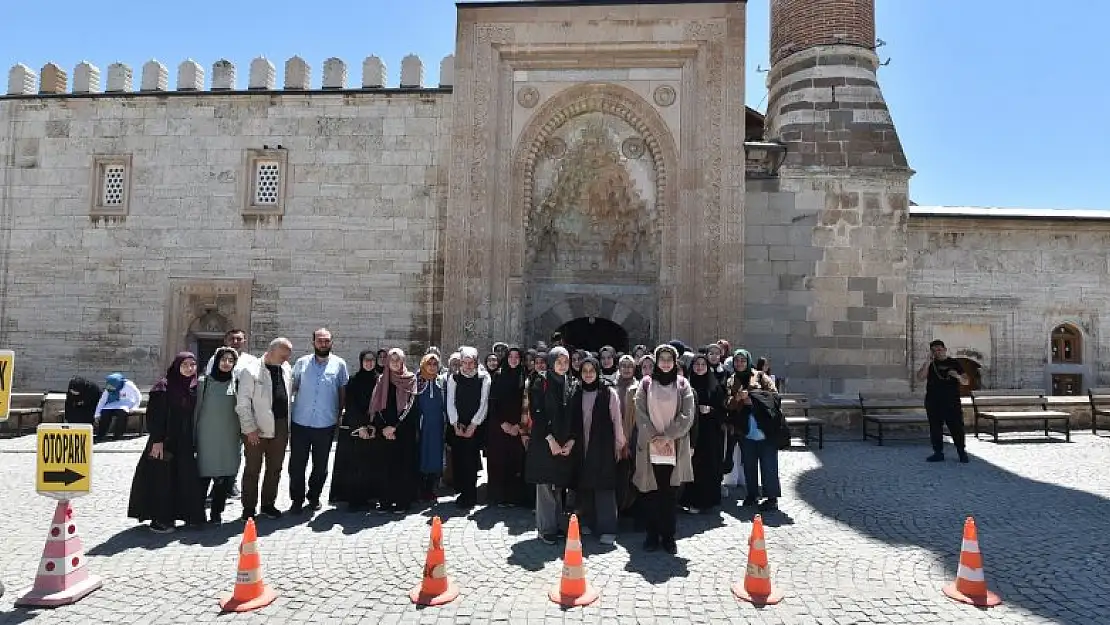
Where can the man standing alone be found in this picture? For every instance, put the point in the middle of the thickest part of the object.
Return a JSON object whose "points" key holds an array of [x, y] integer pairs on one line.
{"points": [[943, 376], [319, 384]]}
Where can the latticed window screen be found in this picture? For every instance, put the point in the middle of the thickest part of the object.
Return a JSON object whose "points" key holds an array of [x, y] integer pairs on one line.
{"points": [[267, 178], [111, 185]]}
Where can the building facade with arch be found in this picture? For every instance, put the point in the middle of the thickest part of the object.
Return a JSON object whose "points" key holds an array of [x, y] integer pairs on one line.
{"points": [[584, 167]]}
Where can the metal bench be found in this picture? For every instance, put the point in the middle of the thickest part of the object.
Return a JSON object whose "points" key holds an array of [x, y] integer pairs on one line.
{"points": [[795, 409], [1024, 405], [1100, 406], [884, 409], [25, 407]]}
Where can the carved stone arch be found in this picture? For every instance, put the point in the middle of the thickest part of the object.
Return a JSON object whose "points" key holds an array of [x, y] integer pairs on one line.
{"points": [[211, 322], [628, 106], [636, 324]]}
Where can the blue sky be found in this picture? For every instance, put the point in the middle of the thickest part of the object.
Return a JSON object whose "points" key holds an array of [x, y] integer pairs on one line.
{"points": [[979, 89]]}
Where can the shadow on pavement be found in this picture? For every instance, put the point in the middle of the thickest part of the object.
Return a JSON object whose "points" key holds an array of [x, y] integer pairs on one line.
{"points": [[136, 537], [352, 522], [533, 555], [1044, 545]]}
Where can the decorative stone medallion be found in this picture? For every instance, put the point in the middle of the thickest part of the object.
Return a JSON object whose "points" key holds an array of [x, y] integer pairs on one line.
{"points": [[633, 148], [664, 95], [528, 97], [555, 147]]}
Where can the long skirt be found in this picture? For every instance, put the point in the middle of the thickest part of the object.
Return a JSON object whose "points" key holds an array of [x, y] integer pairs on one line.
{"points": [[352, 473], [166, 490]]}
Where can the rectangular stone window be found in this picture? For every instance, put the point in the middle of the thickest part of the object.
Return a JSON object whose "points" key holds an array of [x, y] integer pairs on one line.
{"points": [[267, 171], [111, 185]]}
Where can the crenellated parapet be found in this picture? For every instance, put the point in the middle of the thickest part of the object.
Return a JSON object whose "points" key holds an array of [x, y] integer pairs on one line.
{"points": [[262, 75]]}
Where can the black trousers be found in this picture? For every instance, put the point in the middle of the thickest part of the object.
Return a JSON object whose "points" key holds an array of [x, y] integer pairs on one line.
{"points": [[114, 420], [942, 413], [221, 488], [660, 506], [465, 462], [305, 442]]}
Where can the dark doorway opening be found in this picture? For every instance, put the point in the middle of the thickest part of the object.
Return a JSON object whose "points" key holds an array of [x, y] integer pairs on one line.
{"points": [[593, 333], [205, 349]]}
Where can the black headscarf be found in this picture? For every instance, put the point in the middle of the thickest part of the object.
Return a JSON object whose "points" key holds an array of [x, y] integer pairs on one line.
{"points": [[361, 385], [612, 352], [596, 384], [180, 390], [510, 380], [705, 385], [217, 374], [378, 366]]}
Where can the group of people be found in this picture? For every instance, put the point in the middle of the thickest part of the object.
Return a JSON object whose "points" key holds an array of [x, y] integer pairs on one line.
{"points": [[605, 435]]}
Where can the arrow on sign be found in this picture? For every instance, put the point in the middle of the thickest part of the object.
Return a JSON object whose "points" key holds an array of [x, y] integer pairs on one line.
{"points": [[67, 477]]}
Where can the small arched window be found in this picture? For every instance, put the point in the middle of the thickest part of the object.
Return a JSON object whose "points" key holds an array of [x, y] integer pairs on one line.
{"points": [[1067, 345]]}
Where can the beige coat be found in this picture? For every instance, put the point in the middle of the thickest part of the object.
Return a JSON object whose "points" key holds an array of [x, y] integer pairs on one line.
{"points": [[679, 431], [255, 397]]}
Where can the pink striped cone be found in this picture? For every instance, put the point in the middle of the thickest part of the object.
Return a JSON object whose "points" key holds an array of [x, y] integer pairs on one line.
{"points": [[62, 577]]}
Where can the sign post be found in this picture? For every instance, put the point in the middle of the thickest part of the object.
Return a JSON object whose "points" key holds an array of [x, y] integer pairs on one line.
{"points": [[7, 371], [63, 471]]}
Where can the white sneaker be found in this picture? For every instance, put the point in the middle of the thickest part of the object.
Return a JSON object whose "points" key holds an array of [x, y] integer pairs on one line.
{"points": [[608, 539]]}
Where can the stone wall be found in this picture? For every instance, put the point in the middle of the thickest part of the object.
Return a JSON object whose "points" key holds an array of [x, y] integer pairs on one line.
{"points": [[1002, 285], [350, 244]]}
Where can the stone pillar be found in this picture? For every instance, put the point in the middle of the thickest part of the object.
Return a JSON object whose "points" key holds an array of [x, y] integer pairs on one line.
{"points": [[190, 76], [298, 75], [52, 79], [833, 226], [373, 73], [447, 71], [86, 78], [223, 75], [412, 72], [21, 80], [155, 76], [335, 74], [263, 76], [120, 78]]}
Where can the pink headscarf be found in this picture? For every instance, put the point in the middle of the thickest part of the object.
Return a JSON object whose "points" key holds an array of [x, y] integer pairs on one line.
{"points": [[404, 384]]}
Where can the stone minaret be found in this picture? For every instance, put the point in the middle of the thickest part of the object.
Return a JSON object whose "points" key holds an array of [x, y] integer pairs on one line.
{"points": [[840, 202], [824, 101]]}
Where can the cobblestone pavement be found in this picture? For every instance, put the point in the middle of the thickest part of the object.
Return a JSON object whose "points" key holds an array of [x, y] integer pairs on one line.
{"points": [[868, 535]]}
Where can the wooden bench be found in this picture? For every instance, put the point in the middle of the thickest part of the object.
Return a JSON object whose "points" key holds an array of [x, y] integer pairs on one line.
{"points": [[795, 409], [1100, 406], [1022, 405], [25, 408], [884, 409]]}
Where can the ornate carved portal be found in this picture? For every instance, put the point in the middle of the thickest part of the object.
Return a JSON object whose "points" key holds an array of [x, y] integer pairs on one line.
{"points": [[199, 311]]}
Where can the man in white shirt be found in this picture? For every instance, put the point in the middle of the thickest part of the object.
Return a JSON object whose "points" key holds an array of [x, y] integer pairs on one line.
{"points": [[119, 399], [235, 339]]}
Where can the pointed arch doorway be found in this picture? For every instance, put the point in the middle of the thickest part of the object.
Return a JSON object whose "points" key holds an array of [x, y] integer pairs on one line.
{"points": [[593, 333]]}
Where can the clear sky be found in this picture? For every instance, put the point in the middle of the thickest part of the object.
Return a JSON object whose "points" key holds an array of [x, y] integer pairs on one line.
{"points": [[975, 86]]}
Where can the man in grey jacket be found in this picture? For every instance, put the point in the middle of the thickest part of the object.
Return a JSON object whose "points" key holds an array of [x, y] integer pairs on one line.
{"points": [[263, 406]]}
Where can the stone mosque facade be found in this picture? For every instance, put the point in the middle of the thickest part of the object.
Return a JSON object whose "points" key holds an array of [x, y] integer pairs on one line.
{"points": [[583, 166]]}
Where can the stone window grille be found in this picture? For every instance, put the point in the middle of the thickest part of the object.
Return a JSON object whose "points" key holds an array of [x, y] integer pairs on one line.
{"points": [[111, 185], [267, 172]]}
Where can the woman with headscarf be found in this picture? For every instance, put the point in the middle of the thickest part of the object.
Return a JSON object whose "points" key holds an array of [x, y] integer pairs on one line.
{"points": [[119, 399], [705, 492], [550, 463], [391, 406], [664, 416], [431, 402], [166, 486], [467, 407], [626, 391], [219, 451], [644, 366], [504, 451], [380, 361], [353, 480], [598, 416], [81, 398], [607, 358], [759, 442]]}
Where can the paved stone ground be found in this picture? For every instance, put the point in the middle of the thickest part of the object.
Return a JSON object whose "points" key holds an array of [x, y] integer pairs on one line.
{"points": [[868, 535]]}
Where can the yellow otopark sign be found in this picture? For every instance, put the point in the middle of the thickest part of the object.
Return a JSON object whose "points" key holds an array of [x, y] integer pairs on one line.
{"points": [[7, 369], [64, 465]]}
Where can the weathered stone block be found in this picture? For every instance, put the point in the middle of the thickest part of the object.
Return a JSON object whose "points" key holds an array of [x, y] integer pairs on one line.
{"points": [[373, 73], [298, 74], [412, 71], [863, 284], [223, 75], [878, 300], [190, 76], [52, 79], [263, 75], [86, 78], [120, 78], [862, 314], [155, 77], [21, 80], [335, 74]]}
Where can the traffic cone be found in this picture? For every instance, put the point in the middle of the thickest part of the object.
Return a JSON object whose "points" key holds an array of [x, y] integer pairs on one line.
{"points": [[250, 591], [971, 585], [435, 588], [573, 588], [757, 588], [62, 578]]}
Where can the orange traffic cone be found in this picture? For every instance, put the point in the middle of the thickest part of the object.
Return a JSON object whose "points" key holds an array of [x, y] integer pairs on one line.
{"points": [[436, 588], [757, 588], [573, 588], [250, 591], [971, 585]]}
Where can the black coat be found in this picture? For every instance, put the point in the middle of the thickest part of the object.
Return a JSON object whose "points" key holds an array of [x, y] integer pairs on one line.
{"points": [[168, 490], [552, 406], [352, 475], [599, 461]]}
